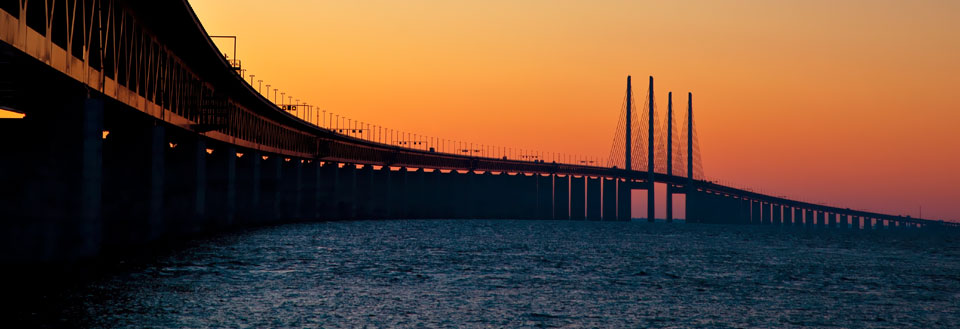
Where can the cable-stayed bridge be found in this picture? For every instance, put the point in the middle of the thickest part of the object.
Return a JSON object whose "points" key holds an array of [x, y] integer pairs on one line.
{"points": [[136, 127]]}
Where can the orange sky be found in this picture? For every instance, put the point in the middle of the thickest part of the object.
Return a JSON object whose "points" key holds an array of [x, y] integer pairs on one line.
{"points": [[852, 103]]}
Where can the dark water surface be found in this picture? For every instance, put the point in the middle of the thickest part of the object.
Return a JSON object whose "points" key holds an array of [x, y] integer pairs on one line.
{"points": [[475, 273]]}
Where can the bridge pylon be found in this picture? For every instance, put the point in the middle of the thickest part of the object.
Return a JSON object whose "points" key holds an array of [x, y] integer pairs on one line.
{"points": [[651, 196]]}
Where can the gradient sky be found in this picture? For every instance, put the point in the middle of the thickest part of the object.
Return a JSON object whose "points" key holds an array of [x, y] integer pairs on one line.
{"points": [[851, 103]]}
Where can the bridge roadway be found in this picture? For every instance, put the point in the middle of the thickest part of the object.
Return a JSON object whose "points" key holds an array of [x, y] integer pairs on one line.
{"points": [[137, 128]]}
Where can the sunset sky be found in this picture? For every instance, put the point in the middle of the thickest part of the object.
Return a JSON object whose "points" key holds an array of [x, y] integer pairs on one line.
{"points": [[850, 103]]}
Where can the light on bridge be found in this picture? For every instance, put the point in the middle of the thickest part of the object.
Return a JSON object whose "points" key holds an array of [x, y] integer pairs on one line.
{"points": [[239, 155], [9, 113], [173, 145], [105, 133], [209, 151]]}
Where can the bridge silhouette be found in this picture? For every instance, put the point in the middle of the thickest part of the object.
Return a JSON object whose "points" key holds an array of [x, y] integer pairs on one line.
{"points": [[136, 128]]}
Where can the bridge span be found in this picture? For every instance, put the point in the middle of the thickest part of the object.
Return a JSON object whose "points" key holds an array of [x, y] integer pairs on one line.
{"points": [[137, 128]]}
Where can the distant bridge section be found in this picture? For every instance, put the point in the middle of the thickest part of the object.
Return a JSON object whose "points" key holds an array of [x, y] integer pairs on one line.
{"points": [[136, 128]]}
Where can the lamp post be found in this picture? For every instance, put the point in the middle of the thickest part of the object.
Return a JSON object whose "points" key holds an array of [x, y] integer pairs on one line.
{"points": [[251, 79], [260, 86], [268, 91]]}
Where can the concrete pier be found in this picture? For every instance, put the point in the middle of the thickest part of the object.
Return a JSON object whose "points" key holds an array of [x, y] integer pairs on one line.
{"points": [[561, 197], [593, 199], [544, 196], [578, 203], [776, 214], [623, 200], [609, 200], [222, 185]]}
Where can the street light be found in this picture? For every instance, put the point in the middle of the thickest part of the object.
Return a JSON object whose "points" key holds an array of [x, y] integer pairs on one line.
{"points": [[251, 79], [268, 91], [260, 86]]}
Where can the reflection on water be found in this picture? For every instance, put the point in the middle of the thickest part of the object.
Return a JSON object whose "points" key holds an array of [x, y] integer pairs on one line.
{"points": [[474, 273]]}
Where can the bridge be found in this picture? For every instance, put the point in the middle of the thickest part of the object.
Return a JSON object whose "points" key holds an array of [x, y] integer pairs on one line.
{"points": [[135, 127]]}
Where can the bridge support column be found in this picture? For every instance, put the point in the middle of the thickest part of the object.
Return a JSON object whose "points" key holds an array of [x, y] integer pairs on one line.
{"points": [[744, 206], [486, 189], [313, 191], [222, 185], [520, 196], [156, 226], [399, 193], [133, 173], [51, 173], [364, 195], [513, 192], [502, 190], [384, 187], [329, 178], [776, 214], [456, 200], [624, 206], [857, 220], [709, 207], [186, 184], [693, 205], [463, 202], [272, 184], [345, 188], [544, 196], [764, 213], [794, 220], [289, 186], [755, 217], [561, 197], [532, 195], [578, 203], [248, 186], [296, 193], [416, 195], [609, 200], [593, 199]]}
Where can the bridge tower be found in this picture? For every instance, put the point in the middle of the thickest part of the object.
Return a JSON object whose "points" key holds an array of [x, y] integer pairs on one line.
{"points": [[628, 145], [669, 155], [624, 193], [689, 138], [690, 189], [650, 174]]}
